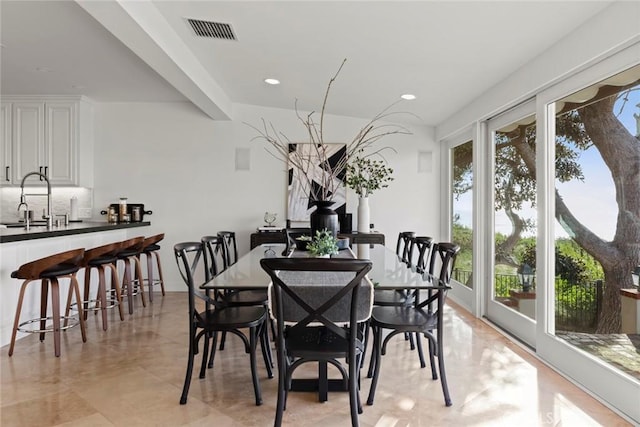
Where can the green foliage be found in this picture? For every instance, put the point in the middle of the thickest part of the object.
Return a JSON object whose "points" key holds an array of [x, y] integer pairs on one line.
{"points": [[365, 175], [323, 243]]}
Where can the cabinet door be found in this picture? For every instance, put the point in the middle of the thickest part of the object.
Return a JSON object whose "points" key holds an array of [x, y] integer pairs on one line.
{"points": [[5, 143], [28, 139], [60, 126]]}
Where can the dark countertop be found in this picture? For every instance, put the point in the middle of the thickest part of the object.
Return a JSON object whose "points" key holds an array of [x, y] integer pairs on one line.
{"points": [[19, 234]]}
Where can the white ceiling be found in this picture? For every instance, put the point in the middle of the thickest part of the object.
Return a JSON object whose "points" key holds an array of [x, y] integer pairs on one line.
{"points": [[445, 52]]}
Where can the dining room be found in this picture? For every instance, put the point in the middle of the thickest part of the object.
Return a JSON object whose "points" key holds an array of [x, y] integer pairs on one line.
{"points": [[184, 133]]}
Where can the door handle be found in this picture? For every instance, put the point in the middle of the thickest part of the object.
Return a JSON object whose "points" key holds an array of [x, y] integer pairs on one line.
{"points": [[6, 173], [46, 171], [40, 170]]}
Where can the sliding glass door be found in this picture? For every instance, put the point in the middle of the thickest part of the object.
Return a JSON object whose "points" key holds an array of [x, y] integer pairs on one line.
{"points": [[511, 296]]}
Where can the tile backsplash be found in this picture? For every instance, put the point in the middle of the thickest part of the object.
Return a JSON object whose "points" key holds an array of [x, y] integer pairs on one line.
{"points": [[60, 202]]}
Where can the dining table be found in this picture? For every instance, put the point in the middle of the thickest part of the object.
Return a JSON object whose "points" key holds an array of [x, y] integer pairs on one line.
{"points": [[388, 272]]}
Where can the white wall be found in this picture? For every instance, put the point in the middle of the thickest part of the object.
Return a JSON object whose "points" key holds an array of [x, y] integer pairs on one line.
{"points": [[181, 165], [606, 33]]}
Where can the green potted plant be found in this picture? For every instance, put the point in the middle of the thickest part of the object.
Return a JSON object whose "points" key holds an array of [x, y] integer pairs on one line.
{"points": [[365, 175], [324, 244]]}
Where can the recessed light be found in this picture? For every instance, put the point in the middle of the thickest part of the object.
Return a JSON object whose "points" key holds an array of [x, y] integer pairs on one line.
{"points": [[408, 96], [77, 87], [272, 81], [43, 69]]}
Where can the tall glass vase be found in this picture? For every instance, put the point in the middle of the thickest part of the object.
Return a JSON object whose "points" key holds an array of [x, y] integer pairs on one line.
{"points": [[363, 215], [324, 217]]}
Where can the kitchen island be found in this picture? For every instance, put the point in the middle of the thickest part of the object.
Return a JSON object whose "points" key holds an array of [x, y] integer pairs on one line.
{"points": [[19, 246], [16, 234]]}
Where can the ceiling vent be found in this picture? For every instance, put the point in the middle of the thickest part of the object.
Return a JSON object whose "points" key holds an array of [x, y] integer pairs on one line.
{"points": [[214, 30]]}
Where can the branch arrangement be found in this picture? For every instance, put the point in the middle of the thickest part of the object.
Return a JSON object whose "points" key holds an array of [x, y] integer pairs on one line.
{"points": [[278, 145]]}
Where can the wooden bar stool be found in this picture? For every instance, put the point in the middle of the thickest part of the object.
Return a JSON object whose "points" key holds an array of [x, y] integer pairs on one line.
{"points": [[49, 271], [133, 284], [150, 248], [101, 258]]}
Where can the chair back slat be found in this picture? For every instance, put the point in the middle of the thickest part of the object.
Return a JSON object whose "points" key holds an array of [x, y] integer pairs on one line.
{"points": [[216, 259], [403, 245], [321, 291]]}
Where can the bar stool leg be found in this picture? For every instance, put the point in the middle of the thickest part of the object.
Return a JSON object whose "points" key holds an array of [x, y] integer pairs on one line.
{"points": [[102, 297], [44, 289], [115, 286], [74, 284], [149, 276], [159, 264], [127, 282], [16, 321], [55, 308], [138, 274]]}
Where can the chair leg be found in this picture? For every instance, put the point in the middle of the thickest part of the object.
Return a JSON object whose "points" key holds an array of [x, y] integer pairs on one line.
{"points": [[377, 347], [205, 353], [409, 336], [353, 384], [223, 338], [187, 378], [263, 331], [443, 377], [253, 335], [432, 362], [282, 385], [102, 297], [420, 352], [212, 356]]}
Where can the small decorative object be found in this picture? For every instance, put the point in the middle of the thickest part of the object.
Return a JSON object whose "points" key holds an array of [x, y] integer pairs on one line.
{"points": [[365, 175], [270, 218], [324, 244], [343, 243], [302, 242]]}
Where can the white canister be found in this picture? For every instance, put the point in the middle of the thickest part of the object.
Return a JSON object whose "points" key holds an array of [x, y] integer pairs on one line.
{"points": [[73, 209]]}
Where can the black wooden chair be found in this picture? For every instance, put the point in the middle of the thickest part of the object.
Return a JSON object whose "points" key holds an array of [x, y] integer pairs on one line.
{"points": [[423, 317], [418, 255], [215, 318], [218, 256], [320, 306]]}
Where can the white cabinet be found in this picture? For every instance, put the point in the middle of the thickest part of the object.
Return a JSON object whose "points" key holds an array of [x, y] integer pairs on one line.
{"points": [[54, 137], [5, 143]]}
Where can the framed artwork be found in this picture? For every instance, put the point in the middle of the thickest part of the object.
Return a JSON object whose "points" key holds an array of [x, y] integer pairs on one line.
{"points": [[299, 201]]}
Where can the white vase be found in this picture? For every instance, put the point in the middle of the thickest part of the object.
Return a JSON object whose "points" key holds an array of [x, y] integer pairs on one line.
{"points": [[363, 215]]}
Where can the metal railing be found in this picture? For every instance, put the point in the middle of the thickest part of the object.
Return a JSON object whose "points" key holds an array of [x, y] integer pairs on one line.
{"points": [[576, 306]]}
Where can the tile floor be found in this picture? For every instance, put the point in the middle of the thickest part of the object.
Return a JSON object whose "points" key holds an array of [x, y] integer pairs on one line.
{"points": [[132, 374]]}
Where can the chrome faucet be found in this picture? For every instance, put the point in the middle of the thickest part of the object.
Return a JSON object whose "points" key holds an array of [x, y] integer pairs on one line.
{"points": [[23, 198]]}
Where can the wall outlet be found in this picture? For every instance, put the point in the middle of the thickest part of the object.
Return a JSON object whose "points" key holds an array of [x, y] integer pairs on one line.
{"points": [[84, 213]]}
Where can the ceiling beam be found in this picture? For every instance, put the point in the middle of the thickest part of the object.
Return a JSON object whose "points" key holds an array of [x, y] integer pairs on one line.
{"points": [[141, 28]]}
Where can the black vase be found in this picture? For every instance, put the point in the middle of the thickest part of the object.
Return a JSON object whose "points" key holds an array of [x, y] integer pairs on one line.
{"points": [[324, 217]]}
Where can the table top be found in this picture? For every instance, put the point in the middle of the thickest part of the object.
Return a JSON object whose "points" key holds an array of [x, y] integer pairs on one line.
{"points": [[387, 271]]}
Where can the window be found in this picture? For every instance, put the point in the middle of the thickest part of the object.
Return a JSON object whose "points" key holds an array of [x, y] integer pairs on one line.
{"points": [[462, 211]]}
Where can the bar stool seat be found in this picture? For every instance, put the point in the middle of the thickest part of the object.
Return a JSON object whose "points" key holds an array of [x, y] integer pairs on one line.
{"points": [[49, 271]]}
